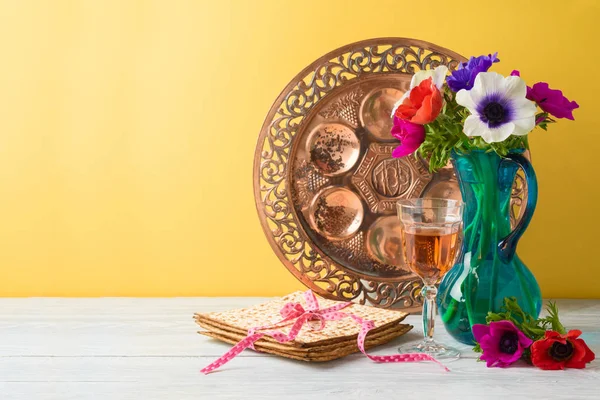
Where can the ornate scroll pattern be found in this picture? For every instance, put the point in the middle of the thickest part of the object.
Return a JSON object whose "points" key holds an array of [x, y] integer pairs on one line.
{"points": [[316, 270], [518, 198], [386, 294]]}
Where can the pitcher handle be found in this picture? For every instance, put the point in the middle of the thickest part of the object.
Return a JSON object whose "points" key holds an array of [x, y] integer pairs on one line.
{"points": [[508, 246]]}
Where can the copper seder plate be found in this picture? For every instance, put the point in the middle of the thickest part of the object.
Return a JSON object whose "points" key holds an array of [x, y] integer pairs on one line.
{"points": [[325, 183]]}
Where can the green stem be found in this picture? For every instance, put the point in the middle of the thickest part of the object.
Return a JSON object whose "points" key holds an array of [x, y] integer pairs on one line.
{"points": [[530, 301], [475, 222], [475, 259], [493, 215]]}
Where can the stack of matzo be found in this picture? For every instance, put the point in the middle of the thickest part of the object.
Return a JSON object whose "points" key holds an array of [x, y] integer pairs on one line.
{"points": [[336, 340]]}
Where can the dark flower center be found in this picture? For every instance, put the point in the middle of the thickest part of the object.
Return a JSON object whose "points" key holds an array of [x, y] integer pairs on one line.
{"points": [[509, 343], [560, 351], [494, 112]]}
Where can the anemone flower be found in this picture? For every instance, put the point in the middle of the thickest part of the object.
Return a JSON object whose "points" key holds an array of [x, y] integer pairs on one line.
{"points": [[556, 351], [410, 135], [423, 105], [498, 106], [502, 343], [437, 75], [464, 76], [551, 101]]}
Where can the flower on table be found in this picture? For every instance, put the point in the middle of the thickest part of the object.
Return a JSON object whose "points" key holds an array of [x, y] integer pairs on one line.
{"points": [[498, 106], [502, 343], [466, 73], [422, 105], [411, 136], [556, 351], [549, 344]]}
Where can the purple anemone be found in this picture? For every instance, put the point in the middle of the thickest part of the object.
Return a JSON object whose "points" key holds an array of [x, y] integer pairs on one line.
{"points": [[502, 343], [464, 76]]}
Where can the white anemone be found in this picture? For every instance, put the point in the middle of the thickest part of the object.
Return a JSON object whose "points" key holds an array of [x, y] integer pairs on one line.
{"points": [[498, 107], [437, 74]]}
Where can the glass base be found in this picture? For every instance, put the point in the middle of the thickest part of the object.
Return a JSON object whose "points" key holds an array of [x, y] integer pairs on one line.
{"points": [[434, 349]]}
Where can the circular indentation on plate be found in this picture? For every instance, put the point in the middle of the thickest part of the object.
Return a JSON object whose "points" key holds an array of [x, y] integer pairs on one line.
{"points": [[376, 109], [391, 177], [336, 213], [333, 148], [443, 189], [384, 241]]}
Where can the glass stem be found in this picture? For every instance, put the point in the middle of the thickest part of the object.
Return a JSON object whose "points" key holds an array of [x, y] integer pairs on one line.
{"points": [[429, 310]]}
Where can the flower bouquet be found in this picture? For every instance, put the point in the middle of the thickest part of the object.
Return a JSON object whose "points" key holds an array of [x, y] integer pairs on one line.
{"points": [[512, 335], [480, 121], [472, 109]]}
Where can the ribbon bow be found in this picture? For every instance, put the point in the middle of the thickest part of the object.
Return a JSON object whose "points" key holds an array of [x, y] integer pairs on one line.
{"points": [[312, 313]]}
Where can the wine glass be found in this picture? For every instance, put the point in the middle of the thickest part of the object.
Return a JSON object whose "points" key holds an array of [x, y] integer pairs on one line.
{"points": [[431, 240]]}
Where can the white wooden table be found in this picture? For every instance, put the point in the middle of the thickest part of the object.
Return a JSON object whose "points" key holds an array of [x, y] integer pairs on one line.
{"points": [[117, 348]]}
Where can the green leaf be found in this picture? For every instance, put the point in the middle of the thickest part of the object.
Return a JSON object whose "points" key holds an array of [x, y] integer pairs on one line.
{"points": [[533, 328], [552, 321]]}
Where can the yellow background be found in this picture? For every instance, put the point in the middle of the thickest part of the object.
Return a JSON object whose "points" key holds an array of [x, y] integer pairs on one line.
{"points": [[127, 134]]}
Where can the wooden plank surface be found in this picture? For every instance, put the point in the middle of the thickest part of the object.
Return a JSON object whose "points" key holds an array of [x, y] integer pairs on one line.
{"points": [[115, 348]]}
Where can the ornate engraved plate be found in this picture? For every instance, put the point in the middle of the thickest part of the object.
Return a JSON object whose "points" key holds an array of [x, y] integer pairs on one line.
{"points": [[325, 183]]}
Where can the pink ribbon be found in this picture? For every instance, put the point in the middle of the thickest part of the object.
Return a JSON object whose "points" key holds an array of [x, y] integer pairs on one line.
{"points": [[295, 311]]}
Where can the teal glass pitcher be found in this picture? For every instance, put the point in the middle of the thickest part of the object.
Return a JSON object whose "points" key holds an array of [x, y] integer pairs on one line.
{"points": [[488, 269]]}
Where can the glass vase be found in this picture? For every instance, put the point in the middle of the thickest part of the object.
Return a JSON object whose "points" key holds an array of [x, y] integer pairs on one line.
{"points": [[488, 269]]}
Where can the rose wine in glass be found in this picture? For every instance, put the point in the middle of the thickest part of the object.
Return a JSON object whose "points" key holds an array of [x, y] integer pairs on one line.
{"points": [[430, 252], [431, 240]]}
